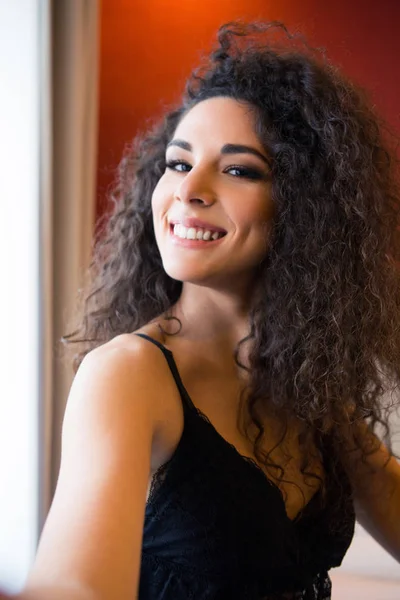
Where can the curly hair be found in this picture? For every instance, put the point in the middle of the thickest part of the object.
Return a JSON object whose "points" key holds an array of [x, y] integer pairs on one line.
{"points": [[325, 323]]}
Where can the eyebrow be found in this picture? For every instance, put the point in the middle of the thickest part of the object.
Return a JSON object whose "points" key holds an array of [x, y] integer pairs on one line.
{"points": [[226, 149]]}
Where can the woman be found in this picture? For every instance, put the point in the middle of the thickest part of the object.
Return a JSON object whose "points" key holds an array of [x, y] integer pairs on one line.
{"points": [[241, 328]]}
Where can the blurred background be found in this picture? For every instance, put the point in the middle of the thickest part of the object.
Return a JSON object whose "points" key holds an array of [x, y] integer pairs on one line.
{"points": [[79, 79]]}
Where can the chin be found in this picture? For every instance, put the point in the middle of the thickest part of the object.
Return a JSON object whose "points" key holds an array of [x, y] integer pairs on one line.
{"points": [[186, 275]]}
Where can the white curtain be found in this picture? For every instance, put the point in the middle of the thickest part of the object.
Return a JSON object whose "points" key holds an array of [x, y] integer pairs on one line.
{"points": [[75, 99]]}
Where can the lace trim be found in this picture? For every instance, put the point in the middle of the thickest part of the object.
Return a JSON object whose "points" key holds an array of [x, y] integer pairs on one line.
{"points": [[160, 473]]}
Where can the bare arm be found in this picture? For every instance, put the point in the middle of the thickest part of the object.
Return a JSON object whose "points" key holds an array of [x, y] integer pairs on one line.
{"points": [[377, 496], [90, 546]]}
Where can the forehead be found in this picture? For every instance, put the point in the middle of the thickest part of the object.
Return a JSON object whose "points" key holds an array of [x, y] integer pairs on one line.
{"points": [[223, 119]]}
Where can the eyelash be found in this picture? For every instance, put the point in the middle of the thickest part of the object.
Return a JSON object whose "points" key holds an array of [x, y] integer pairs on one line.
{"points": [[246, 173]]}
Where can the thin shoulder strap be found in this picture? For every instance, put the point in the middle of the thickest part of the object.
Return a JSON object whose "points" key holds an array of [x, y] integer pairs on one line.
{"points": [[174, 370]]}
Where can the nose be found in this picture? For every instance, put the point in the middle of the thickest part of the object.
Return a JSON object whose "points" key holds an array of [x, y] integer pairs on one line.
{"points": [[196, 187]]}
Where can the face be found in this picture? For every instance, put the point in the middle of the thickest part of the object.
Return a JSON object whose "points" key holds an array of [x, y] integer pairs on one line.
{"points": [[217, 179]]}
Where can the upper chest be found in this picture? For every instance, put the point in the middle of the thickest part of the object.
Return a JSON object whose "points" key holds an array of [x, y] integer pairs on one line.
{"points": [[215, 388]]}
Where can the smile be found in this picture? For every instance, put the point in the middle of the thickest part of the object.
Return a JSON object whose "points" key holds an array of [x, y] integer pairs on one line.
{"points": [[196, 233], [194, 237]]}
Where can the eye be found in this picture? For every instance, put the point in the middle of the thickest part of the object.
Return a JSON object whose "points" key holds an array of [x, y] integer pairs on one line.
{"points": [[178, 165], [245, 172], [181, 166]]}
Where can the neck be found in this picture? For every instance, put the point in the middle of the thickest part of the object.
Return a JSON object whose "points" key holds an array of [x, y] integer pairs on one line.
{"points": [[215, 322]]}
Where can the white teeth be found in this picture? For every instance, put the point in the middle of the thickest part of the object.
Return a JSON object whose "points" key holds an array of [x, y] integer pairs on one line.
{"points": [[177, 228], [193, 233]]}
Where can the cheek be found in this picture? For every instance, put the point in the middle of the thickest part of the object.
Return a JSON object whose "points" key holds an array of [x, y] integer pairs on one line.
{"points": [[155, 199], [155, 209], [252, 217], [162, 194], [264, 211], [158, 203]]}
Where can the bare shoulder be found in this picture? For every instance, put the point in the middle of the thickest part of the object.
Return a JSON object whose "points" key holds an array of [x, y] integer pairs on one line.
{"points": [[129, 344], [128, 369]]}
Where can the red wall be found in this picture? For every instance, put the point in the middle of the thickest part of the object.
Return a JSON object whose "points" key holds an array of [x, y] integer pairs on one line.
{"points": [[149, 47]]}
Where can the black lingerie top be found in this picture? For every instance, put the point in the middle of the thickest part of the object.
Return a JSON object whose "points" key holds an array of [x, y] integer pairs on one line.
{"points": [[216, 527]]}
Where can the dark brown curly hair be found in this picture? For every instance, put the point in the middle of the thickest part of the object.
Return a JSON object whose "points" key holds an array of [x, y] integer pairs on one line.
{"points": [[325, 321]]}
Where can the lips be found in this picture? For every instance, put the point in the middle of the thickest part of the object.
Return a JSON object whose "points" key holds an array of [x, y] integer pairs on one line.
{"points": [[193, 222]]}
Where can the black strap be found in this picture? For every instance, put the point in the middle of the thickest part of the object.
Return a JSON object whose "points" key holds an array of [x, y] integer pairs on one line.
{"points": [[173, 368]]}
